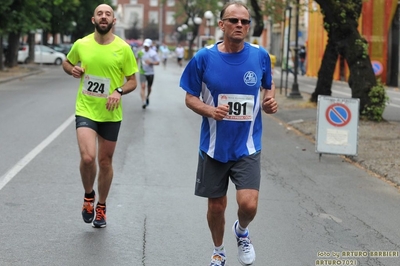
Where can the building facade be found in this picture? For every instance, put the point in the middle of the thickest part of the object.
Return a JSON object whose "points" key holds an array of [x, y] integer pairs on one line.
{"points": [[149, 17]]}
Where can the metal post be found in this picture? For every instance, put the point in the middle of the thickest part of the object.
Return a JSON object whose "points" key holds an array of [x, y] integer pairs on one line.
{"points": [[283, 38], [288, 48], [161, 24], [295, 87]]}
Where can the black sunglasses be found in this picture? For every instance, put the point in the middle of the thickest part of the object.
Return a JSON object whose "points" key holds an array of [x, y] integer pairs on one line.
{"points": [[236, 20]]}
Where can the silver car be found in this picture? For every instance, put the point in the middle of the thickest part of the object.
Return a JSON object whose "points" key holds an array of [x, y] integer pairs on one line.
{"points": [[43, 55]]}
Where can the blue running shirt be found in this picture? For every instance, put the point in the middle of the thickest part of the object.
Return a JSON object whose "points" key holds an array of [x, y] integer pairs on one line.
{"points": [[234, 79]]}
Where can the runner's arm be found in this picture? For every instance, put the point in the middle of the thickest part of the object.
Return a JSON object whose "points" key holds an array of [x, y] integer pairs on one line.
{"points": [[194, 103], [130, 84], [269, 104], [70, 69]]}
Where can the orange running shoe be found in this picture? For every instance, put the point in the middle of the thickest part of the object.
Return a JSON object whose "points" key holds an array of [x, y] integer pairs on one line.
{"points": [[88, 209], [100, 220]]}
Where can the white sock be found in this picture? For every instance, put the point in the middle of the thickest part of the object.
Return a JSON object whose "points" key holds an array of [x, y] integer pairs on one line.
{"points": [[240, 230], [220, 249]]}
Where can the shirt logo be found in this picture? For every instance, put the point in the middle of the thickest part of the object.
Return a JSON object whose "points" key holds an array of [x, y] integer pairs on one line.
{"points": [[250, 78]]}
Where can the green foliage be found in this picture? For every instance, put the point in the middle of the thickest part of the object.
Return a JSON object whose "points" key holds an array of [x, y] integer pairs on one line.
{"points": [[82, 17], [189, 9], [327, 26], [378, 100], [345, 11], [4, 9], [363, 45], [54, 16], [151, 31], [274, 10]]}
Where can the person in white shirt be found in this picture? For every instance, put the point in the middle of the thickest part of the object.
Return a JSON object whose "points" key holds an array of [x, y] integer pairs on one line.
{"points": [[147, 59], [179, 51], [164, 50]]}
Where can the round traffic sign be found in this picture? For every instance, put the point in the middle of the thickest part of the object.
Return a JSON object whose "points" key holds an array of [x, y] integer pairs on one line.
{"points": [[377, 67], [338, 114]]}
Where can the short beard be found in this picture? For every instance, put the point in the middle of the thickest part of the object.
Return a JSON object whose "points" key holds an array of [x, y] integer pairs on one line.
{"points": [[103, 31]]}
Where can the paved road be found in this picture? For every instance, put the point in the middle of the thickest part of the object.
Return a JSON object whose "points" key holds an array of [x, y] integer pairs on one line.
{"points": [[306, 206]]}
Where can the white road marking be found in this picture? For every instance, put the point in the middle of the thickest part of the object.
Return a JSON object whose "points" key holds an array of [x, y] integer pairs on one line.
{"points": [[7, 177], [331, 217]]}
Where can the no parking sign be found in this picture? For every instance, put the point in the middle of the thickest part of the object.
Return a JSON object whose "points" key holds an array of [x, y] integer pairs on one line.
{"points": [[377, 67], [337, 125], [338, 114]]}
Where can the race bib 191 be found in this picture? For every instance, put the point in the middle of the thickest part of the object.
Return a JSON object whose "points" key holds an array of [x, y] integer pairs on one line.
{"points": [[96, 86], [240, 106]]}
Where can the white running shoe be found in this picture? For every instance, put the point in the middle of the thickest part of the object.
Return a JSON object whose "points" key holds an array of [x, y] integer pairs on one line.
{"points": [[246, 253], [218, 259]]}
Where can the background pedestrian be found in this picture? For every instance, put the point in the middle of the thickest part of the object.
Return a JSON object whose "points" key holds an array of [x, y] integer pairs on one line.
{"points": [[179, 52], [302, 59], [148, 58], [164, 50]]}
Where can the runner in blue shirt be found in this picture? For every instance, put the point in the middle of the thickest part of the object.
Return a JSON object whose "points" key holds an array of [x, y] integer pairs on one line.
{"points": [[222, 84]]}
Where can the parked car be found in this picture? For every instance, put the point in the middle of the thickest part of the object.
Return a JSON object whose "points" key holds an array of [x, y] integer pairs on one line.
{"points": [[61, 47], [43, 55]]}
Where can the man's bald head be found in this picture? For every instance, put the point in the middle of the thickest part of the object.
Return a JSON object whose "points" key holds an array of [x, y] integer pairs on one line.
{"points": [[103, 8], [103, 19]]}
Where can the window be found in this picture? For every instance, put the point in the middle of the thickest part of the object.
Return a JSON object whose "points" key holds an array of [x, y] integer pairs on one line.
{"points": [[153, 16], [153, 2], [170, 20], [133, 2], [171, 3]]}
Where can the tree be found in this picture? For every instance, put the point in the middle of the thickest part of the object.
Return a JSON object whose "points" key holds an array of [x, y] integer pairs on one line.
{"points": [[83, 16], [134, 32], [4, 9], [344, 39], [258, 19], [151, 31], [188, 10], [55, 16], [58, 24], [21, 19]]}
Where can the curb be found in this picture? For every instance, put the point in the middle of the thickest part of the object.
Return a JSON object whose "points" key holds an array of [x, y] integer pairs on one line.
{"points": [[35, 72], [355, 160]]}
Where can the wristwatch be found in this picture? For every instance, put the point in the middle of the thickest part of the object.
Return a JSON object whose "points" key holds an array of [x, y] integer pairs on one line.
{"points": [[120, 91]]}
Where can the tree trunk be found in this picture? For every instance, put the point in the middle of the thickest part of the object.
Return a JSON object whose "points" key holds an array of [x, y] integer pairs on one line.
{"points": [[326, 71], [13, 47], [195, 33], [258, 19], [31, 44], [341, 22], [362, 77], [1, 53]]}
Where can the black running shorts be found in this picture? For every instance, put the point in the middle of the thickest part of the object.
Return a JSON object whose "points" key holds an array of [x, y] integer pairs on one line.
{"points": [[213, 176], [147, 78], [107, 130]]}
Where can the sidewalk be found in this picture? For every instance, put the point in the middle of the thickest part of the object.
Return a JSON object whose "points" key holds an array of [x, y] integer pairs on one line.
{"points": [[20, 71], [378, 143]]}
